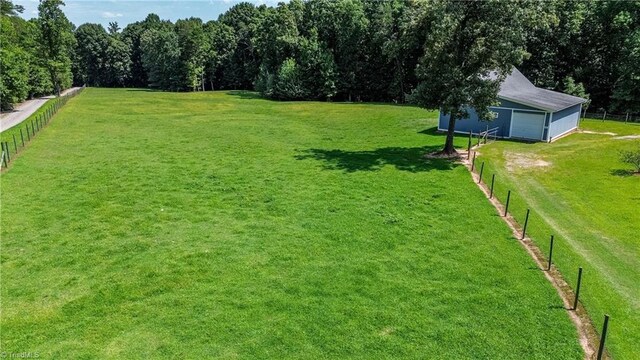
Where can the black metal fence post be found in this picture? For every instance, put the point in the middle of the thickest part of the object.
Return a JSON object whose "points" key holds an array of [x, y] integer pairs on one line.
{"points": [[575, 301], [473, 162], [526, 222], [493, 181], [603, 337], [28, 136], [469, 146], [22, 137], [550, 253], [15, 143], [5, 147], [506, 207], [481, 171]]}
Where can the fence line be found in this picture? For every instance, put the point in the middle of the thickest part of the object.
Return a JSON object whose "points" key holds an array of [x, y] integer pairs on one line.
{"points": [[41, 120], [627, 117], [576, 292]]}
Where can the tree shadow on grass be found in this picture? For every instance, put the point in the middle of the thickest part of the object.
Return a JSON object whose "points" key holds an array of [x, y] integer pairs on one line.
{"points": [[405, 159], [623, 172], [143, 90], [432, 131], [246, 95]]}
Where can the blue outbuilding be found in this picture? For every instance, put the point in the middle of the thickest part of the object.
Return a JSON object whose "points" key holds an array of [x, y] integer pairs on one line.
{"points": [[525, 112]]}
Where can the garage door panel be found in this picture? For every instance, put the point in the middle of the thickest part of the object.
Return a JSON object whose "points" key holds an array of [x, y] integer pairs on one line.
{"points": [[525, 125]]}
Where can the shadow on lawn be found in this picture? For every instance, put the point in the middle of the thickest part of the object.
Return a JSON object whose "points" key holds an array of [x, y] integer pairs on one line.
{"points": [[405, 159], [144, 90], [246, 95], [249, 95], [623, 172]]}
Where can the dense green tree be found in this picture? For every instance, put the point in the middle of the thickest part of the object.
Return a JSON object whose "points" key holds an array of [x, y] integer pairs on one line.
{"points": [[576, 89], [470, 49], [102, 59], [56, 42], [242, 67], [132, 35], [626, 90], [193, 48], [318, 68], [363, 50], [604, 49], [91, 54], [161, 58], [288, 84], [553, 48], [278, 37], [14, 74], [342, 25], [221, 43], [118, 62]]}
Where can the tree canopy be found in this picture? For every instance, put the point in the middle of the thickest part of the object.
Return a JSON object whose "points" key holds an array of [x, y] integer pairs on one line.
{"points": [[359, 50]]}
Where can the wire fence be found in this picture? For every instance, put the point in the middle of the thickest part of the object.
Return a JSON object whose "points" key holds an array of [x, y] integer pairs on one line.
{"points": [[15, 139], [515, 209], [628, 117]]}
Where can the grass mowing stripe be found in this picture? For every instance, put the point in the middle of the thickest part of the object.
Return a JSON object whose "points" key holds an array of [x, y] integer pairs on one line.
{"points": [[583, 196]]}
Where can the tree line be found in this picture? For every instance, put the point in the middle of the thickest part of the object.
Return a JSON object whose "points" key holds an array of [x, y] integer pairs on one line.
{"points": [[35, 55], [358, 50]]}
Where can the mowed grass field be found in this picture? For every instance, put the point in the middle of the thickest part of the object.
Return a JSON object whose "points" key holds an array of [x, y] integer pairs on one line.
{"points": [[145, 224], [579, 190]]}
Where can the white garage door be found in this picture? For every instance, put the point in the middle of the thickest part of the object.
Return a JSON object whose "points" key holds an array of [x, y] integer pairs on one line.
{"points": [[526, 125]]}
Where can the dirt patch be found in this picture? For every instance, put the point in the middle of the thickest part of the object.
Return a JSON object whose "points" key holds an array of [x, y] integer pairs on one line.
{"points": [[627, 137], [439, 155], [518, 161], [597, 132]]}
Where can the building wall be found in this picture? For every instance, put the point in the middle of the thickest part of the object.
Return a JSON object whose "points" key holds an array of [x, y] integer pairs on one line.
{"points": [[564, 121], [475, 125]]}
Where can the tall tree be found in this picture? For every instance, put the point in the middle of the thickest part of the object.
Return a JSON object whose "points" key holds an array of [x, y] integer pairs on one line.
{"points": [[57, 42], [626, 91], [242, 67], [469, 50], [553, 48], [342, 26], [91, 52], [132, 34], [161, 58], [221, 43], [14, 71], [193, 48], [605, 48]]}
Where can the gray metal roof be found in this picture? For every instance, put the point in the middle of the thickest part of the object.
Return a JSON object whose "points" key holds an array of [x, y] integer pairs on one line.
{"points": [[517, 88]]}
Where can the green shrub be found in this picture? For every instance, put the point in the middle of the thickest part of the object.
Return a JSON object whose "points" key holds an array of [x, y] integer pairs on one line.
{"points": [[631, 157]]}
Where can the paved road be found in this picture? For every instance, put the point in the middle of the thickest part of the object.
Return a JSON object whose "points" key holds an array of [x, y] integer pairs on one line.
{"points": [[24, 110]]}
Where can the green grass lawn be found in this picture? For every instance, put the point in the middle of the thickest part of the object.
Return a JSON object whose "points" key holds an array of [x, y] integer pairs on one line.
{"points": [[145, 224], [581, 192]]}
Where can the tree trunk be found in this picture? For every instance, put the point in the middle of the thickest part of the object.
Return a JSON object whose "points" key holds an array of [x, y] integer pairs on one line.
{"points": [[448, 145]]}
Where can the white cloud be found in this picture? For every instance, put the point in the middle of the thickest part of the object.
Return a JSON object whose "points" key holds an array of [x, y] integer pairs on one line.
{"points": [[110, 15]]}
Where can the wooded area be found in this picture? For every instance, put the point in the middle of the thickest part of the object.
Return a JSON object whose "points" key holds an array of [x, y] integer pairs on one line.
{"points": [[359, 50]]}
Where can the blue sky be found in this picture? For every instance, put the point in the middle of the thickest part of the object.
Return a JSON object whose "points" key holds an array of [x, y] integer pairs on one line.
{"points": [[128, 11]]}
